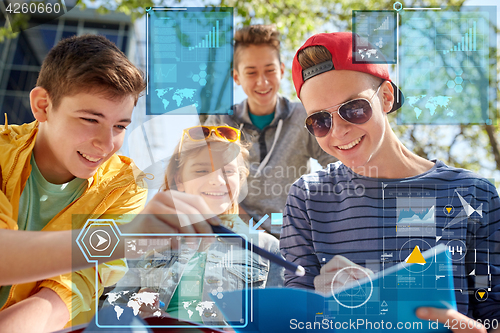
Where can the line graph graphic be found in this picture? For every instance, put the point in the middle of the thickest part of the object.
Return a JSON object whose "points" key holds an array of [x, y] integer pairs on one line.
{"points": [[166, 73], [410, 216]]}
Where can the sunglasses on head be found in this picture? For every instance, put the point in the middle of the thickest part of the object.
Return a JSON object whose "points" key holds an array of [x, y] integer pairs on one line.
{"points": [[356, 111], [200, 133]]}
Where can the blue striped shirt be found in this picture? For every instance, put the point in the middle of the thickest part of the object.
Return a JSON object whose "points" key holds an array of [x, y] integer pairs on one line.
{"points": [[338, 212]]}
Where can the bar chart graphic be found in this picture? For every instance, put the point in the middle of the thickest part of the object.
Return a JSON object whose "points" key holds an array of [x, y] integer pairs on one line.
{"points": [[384, 25], [467, 41], [202, 38], [446, 66], [210, 40], [374, 39], [189, 60]]}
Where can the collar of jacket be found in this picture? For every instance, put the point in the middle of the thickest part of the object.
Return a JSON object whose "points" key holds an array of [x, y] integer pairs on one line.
{"points": [[282, 111], [19, 140]]}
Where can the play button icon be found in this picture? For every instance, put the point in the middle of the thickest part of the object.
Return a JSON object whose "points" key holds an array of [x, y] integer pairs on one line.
{"points": [[100, 240]]}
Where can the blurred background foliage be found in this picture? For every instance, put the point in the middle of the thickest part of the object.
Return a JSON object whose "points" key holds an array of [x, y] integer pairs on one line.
{"points": [[475, 147]]}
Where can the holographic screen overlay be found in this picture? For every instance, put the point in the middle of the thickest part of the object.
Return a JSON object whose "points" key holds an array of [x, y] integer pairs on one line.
{"points": [[447, 66], [35, 12], [157, 261], [417, 218], [388, 298], [189, 60], [374, 39], [155, 143], [202, 162]]}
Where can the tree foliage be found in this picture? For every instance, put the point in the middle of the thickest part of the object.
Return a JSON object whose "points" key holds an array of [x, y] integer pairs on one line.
{"points": [[472, 147]]}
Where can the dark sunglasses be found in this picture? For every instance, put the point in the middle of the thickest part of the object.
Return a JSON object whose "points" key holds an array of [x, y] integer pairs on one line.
{"points": [[356, 111]]}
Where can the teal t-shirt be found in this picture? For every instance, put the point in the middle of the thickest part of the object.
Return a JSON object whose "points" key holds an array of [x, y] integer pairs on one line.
{"points": [[184, 304], [40, 202], [261, 121]]}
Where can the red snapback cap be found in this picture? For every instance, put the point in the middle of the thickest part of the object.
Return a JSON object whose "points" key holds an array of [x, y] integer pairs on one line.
{"points": [[341, 47]]}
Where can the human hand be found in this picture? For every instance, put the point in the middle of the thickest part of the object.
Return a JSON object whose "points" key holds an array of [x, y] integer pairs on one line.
{"points": [[344, 271], [172, 212], [452, 319]]}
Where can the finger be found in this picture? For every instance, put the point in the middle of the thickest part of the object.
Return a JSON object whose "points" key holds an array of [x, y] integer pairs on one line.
{"points": [[361, 273], [192, 242], [169, 216], [173, 211], [323, 282], [189, 204], [337, 263], [444, 315], [189, 214]]}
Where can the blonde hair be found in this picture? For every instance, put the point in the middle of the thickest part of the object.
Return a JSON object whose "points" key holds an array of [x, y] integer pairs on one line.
{"points": [[192, 148]]}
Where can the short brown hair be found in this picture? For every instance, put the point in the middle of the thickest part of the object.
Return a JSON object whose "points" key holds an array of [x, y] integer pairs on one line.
{"points": [[316, 54], [256, 35], [89, 63], [313, 55]]}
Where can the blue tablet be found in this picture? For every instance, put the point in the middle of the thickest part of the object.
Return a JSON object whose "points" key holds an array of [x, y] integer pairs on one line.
{"points": [[384, 302]]}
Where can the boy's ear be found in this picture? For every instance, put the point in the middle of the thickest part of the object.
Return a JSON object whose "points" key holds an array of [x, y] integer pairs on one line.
{"points": [[40, 103], [387, 96], [236, 77], [282, 67]]}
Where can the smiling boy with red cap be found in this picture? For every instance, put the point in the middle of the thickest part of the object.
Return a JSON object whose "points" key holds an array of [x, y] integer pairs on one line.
{"points": [[340, 212]]}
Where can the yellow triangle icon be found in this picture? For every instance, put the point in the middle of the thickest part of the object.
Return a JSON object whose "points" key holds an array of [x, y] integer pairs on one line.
{"points": [[448, 209], [416, 257], [481, 293]]}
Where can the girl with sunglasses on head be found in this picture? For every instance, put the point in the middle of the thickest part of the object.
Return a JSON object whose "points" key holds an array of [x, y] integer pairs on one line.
{"points": [[209, 165], [347, 214]]}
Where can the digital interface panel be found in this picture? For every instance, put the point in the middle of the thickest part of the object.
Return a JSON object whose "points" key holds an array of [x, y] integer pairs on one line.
{"points": [[444, 67], [375, 40], [430, 215], [156, 263], [189, 54], [446, 63]]}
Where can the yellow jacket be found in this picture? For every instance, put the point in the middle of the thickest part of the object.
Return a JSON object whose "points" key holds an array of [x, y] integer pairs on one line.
{"points": [[113, 190]]}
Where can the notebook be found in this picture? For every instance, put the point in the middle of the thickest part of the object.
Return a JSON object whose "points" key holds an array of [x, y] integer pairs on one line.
{"points": [[386, 301]]}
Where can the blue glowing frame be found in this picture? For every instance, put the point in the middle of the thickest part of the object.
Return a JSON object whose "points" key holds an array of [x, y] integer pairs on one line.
{"points": [[112, 224]]}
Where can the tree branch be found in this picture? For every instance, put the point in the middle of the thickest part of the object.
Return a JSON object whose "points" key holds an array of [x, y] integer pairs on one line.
{"points": [[495, 149]]}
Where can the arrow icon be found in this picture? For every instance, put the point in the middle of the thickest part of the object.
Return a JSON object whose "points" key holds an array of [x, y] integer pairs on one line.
{"points": [[468, 208], [416, 257], [253, 228], [102, 240]]}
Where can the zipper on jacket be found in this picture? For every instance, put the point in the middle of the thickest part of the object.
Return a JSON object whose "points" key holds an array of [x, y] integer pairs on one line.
{"points": [[27, 143]]}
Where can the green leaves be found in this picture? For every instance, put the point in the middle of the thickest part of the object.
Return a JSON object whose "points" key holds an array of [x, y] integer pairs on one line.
{"points": [[472, 147]]}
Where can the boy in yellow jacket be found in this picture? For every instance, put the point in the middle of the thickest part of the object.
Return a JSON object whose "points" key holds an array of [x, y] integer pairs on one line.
{"points": [[61, 165]]}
